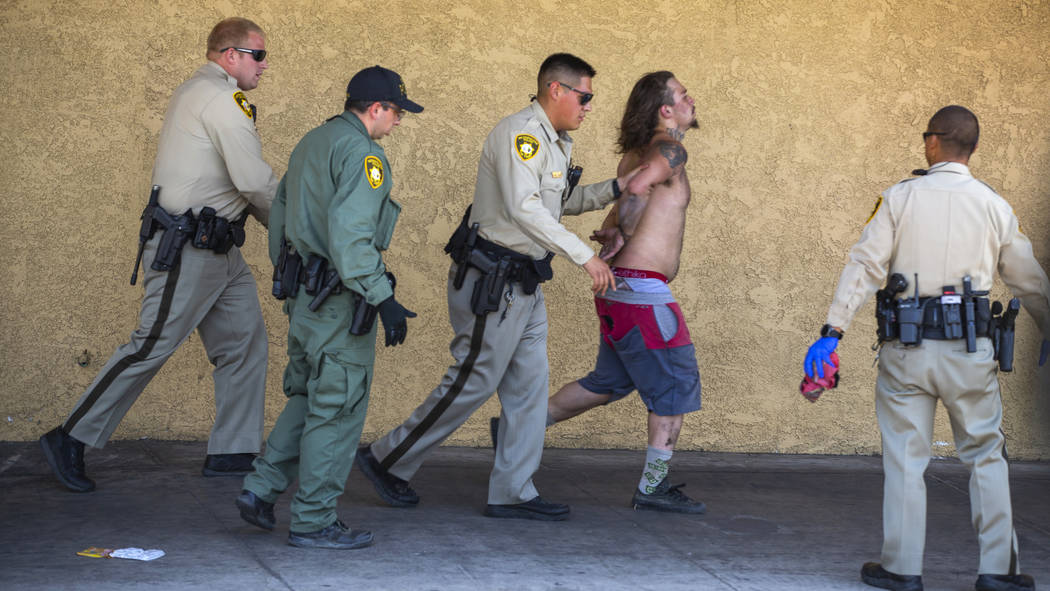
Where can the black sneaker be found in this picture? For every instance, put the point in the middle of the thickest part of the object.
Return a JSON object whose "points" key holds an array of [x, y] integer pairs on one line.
{"points": [[537, 508], [873, 574], [494, 431], [667, 498], [228, 464], [255, 510], [1005, 583], [392, 489], [65, 455], [336, 537]]}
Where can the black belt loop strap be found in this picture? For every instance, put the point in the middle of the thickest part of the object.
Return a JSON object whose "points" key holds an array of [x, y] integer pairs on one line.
{"points": [[140, 355], [435, 413]]}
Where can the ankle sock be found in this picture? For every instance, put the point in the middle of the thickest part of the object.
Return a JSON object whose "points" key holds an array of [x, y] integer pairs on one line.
{"points": [[657, 463]]}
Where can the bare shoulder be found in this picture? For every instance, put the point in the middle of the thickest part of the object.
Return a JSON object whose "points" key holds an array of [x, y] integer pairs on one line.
{"points": [[670, 150]]}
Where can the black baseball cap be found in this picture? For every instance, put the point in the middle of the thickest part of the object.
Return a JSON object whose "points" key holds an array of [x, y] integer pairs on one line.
{"points": [[380, 84]]}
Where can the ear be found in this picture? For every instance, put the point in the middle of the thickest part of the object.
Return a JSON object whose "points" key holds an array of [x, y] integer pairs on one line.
{"points": [[666, 111]]}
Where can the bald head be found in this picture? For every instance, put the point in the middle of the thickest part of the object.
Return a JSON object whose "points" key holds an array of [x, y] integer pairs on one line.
{"points": [[957, 130]]}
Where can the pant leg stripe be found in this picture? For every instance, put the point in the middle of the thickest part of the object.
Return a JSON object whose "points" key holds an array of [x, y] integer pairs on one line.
{"points": [[140, 355], [435, 413]]}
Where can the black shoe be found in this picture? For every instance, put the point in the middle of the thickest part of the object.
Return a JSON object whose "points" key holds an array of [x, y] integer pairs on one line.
{"points": [[537, 508], [336, 536], [228, 464], [1005, 583], [873, 574], [255, 510], [392, 489], [494, 431], [667, 498], [65, 455]]}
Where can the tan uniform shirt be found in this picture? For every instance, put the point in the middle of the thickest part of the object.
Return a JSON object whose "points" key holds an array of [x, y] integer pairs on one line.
{"points": [[943, 226], [520, 193], [209, 153]]}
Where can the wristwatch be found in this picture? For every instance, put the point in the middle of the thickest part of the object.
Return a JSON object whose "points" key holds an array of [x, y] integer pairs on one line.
{"points": [[616, 189], [829, 331]]}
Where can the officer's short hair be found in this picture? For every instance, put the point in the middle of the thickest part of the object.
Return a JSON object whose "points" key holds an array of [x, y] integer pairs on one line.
{"points": [[360, 107], [960, 127], [562, 67], [231, 32]]}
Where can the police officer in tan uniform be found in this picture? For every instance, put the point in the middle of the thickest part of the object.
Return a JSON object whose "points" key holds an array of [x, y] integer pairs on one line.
{"points": [[941, 227], [209, 156], [496, 307]]}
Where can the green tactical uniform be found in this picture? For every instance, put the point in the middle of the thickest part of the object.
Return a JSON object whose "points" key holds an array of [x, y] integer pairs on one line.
{"points": [[334, 202]]}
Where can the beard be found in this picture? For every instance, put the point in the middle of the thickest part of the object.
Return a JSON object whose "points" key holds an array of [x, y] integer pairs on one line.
{"points": [[694, 124]]}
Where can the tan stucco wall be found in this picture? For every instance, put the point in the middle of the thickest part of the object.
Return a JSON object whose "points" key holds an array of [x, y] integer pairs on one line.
{"points": [[808, 110]]}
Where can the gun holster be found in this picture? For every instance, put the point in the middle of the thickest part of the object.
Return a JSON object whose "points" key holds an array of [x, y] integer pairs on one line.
{"points": [[287, 274]]}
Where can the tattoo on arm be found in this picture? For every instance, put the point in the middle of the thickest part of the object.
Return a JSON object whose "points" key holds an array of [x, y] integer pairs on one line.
{"points": [[674, 153]]}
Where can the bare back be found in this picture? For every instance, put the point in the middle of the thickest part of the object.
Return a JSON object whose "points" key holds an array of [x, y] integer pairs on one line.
{"points": [[653, 225]]}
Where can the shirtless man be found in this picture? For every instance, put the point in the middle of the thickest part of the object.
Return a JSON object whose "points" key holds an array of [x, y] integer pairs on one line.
{"points": [[645, 344]]}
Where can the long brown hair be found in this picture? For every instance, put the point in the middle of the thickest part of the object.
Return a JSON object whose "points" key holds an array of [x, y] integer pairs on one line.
{"points": [[642, 112]]}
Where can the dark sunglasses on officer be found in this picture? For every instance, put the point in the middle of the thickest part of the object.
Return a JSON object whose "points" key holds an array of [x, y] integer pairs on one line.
{"points": [[257, 54], [585, 97]]}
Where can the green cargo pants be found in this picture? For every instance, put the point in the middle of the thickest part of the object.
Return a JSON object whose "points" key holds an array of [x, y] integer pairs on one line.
{"points": [[327, 382]]}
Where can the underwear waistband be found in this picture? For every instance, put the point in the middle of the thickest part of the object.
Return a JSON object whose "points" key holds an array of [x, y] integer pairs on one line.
{"points": [[638, 274]]}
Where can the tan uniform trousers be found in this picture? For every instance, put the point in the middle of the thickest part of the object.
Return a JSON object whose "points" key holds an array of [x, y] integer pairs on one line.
{"points": [[911, 380], [500, 354], [216, 295]]}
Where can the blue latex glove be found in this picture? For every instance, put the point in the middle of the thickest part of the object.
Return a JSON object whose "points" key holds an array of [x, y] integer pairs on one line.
{"points": [[819, 353], [1044, 351]]}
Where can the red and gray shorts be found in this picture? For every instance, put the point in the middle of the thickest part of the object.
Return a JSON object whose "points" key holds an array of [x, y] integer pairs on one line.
{"points": [[645, 346]]}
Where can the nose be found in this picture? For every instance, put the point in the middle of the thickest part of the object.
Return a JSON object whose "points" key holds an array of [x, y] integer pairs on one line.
{"points": [[587, 108], [264, 64]]}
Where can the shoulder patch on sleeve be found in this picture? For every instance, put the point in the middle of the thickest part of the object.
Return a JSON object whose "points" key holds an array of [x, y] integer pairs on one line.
{"points": [[875, 210], [526, 146], [374, 171], [242, 102]]}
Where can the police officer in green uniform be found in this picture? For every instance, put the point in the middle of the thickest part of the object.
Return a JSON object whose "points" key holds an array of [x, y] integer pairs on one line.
{"points": [[334, 212], [211, 175], [501, 253], [951, 232]]}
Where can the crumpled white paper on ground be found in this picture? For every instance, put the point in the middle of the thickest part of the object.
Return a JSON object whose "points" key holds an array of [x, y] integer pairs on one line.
{"points": [[137, 553]]}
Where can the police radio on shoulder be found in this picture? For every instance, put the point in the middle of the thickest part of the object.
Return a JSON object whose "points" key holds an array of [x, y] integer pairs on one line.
{"points": [[829, 331]]}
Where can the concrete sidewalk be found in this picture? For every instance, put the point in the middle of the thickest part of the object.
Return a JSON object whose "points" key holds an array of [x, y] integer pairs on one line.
{"points": [[774, 523]]}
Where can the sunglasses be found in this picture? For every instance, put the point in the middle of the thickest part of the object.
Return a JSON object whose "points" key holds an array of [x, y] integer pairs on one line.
{"points": [[398, 111], [257, 54], [585, 97], [927, 134]]}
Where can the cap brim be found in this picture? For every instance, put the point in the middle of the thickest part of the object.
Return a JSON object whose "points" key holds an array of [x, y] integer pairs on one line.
{"points": [[408, 105]]}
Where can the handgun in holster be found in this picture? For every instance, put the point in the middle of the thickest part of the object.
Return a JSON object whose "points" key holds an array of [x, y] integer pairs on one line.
{"points": [[464, 254], [886, 308], [286, 273], [177, 231], [1004, 333], [146, 229], [488, 288]]}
